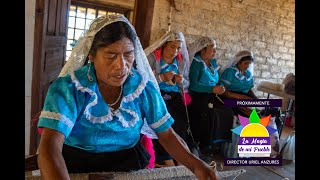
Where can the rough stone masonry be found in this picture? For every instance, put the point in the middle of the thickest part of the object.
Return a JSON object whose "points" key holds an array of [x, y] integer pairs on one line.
{"points": [[266, 27]]}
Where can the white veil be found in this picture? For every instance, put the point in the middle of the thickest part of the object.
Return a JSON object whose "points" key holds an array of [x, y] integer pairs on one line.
{"points": [[199, 44], [81, 51], [171, 36], [237, 58]]}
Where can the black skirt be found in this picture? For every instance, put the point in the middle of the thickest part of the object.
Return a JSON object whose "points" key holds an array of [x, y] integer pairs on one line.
{"points": [[209, 123], [178, 112], [80, 161]]}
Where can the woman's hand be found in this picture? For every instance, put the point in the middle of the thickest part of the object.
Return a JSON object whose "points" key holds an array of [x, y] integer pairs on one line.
{"points": [[167, 76], [218, 89], [179, 150], [205, 172], [50, 159], [177, 78]]}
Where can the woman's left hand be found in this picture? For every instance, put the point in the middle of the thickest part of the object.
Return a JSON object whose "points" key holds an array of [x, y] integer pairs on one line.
{"points": [[177, 78], [179, 150], [218, 89], [205, 172]]}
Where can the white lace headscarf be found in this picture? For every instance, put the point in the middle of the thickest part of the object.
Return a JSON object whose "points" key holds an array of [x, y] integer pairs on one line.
{"points": [[198, 45], [237, 58], [171, 36], [81, 50]]}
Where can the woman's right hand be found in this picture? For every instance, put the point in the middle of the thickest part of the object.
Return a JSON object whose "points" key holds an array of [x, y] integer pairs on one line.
{"points": [[205, 172], [219, 89], [167, 76], [50, 159]]}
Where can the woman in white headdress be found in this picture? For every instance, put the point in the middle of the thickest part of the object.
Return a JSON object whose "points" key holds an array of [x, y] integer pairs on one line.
{"points": [[94, 112], [237, 77], [210, 120], [168, 58]]}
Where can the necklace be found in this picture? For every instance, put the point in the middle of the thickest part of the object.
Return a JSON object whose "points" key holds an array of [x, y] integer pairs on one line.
{"points": [[112, 104]]}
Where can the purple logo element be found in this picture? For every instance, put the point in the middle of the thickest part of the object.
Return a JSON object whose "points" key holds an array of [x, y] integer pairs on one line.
{"points": [[253, 102]]}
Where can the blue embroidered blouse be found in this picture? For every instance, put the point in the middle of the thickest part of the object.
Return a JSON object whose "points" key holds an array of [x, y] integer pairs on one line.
{"points": [[75, 107], [233, 80], [203, 78], [165, 68]]}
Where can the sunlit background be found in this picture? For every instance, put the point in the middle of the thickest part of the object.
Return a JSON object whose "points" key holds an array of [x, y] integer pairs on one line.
{"points": [[80, 19]]}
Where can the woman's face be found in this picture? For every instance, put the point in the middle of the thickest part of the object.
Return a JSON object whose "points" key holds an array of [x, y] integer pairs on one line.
{"points": [[113, 62], [244, 65], [209, 52], [171, 49]]}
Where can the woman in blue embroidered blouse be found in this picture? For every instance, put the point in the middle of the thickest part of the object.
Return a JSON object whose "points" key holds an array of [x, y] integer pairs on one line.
{"points": [[168, 58], [206, 106], [94, 112], [238, 79]]}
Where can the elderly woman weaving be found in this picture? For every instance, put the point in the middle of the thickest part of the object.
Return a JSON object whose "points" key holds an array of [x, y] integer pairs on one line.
{"points": [[210, 121], [237, 77], [94, 112], [168, 58]]}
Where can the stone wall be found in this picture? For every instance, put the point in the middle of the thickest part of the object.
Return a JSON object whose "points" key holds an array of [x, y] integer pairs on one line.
{"points": [[266, 27]]}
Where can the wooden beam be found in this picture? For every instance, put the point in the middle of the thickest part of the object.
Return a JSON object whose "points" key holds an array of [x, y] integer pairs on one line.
{"points": [[122, 4], [142, 20]]}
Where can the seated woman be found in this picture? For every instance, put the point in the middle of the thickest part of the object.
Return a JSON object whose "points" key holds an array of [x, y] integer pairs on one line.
{"points": [[238, 79], [210, 120], [168, 58], [94, 112]]}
